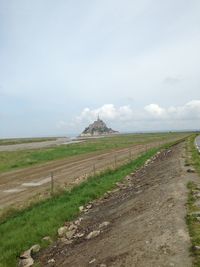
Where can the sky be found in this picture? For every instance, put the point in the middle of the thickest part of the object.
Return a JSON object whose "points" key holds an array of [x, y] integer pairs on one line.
{"points": [[135, 63]]}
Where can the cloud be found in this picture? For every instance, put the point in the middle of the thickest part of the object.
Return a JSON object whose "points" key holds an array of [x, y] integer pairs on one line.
{"points": [[106, 112], [189, 111], [111, 113], [127, 118]]}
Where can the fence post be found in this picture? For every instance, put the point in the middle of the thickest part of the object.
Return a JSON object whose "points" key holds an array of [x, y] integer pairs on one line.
{"points": [[52, 184], [115, 161], [94, 169], [130, 156]]}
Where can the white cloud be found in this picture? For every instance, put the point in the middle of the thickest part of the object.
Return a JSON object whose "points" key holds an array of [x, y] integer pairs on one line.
{"points": [[155, 111], [106, 112], [126, 118], [111, 113]]}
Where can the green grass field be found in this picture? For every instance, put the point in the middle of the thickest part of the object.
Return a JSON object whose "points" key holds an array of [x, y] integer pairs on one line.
{"points": [[29, 226], [17, 159]]}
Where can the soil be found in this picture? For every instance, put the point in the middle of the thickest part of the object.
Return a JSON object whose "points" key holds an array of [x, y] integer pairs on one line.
{"points": [[147, 221], [19, 186]]}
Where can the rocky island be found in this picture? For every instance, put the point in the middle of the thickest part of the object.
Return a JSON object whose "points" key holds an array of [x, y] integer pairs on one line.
{"points": [[97, 128]]}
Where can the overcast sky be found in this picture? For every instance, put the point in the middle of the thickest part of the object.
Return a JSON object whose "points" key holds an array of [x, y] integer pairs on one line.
{"points": [[136, 63]]}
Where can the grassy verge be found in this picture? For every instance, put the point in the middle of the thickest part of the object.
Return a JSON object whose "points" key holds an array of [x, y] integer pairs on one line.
{"points": [[18, 159], [192, 218], [28, 227]]}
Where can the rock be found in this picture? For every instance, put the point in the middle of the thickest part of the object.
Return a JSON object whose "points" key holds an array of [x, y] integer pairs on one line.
{"points": [[47, 238], [70, 234], [62, 231], [81, 208], [98, 127], [66, 241], [78, 222], [89, 206], [26, 262], [190, 170], [26, 254], [92, 261], [51, 261], [197, 247], [72, 227], [35, 248], [104, 224], [93, 234], [102, 265], [79, 235]]}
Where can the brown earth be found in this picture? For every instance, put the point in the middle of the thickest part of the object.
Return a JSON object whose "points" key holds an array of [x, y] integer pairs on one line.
{"points": [[147, 226], [18, 186]]}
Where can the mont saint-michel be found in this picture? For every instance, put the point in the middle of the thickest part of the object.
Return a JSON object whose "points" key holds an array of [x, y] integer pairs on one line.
{"points": [[98, 128]]}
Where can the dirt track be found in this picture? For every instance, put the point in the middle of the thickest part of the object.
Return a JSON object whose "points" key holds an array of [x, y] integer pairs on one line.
{"points": [[20, 185], [147, 226]]}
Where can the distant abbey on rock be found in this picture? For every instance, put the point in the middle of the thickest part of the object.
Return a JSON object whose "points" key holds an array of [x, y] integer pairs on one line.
{"points": [[97, 128]]}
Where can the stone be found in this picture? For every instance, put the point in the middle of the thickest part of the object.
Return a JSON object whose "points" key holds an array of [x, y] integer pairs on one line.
{"points": [[197, 247], [70, 234], [102, 265], [93, 234], [72, 227], [78, 222], [104, 224], [89, 206], [79, 235], [81, 208], [92, 261], [62, 231], [35, 248], [47, 238], [26, 262], [26, 254], [51, 261], [66, 241]]}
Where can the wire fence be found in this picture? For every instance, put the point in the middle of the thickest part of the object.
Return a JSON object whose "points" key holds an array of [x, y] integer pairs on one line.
{"points": [[69, 177]]}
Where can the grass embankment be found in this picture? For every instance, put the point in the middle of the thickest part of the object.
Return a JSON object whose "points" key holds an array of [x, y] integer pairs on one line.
{"points": [[28, 227], [193, 204], [25, 158]]}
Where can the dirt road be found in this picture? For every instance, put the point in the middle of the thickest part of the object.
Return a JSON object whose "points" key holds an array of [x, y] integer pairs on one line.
{"points": [[20, 185], [147, 226]]}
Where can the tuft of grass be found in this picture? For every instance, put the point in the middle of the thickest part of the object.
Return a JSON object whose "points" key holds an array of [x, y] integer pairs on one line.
{"points": [[193, 158], [27, 227]]}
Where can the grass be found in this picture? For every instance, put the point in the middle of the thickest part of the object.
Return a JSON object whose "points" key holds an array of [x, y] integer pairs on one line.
{"points": [[29, 226], [193, 158], [15, 141], [18, 159]]}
